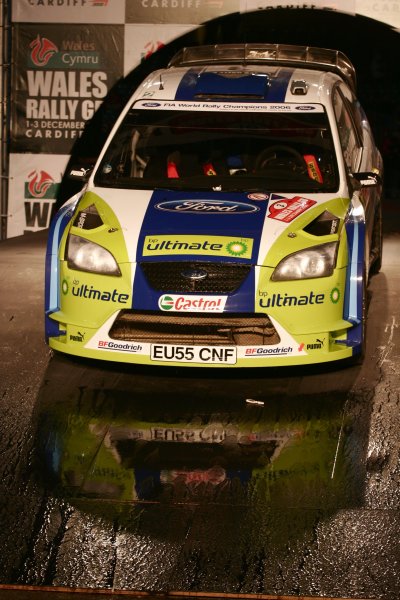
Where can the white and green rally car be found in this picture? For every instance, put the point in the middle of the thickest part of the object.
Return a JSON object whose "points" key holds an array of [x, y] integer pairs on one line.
{"points": [[232, 218]]}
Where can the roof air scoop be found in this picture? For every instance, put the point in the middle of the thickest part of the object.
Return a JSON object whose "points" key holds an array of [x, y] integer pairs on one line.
{"points": [[221, 85], [233, 74], [299, 87]]}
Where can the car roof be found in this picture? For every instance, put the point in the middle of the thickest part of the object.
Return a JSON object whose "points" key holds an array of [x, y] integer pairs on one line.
{"points": [[250, 73], [233, 83], [323, 59]]}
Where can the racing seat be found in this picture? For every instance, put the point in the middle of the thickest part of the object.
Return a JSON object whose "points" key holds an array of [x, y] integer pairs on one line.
{"points": [[228, 164], [171, 165], [182, 164]]}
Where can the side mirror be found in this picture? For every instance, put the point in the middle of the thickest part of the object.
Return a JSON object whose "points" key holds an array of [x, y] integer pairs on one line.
{"points": [[367, 179], [80, 173]]}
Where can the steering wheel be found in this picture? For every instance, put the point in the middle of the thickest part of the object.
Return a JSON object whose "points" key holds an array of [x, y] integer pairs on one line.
{"points": [[280, 156]]}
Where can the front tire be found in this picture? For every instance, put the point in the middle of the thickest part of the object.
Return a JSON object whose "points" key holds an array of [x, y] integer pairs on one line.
{"points": [[376, 243], [358, 358]]}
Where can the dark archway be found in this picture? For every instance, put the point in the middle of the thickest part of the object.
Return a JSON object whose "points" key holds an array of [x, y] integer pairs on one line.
{"points": [[372, 46]]}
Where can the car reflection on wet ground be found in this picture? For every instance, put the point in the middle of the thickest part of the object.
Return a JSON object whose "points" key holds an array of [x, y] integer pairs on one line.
{"points": [[179, 446], [277, 482], [157, 481]]}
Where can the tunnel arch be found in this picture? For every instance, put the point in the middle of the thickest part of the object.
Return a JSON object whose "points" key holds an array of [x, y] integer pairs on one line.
{"points": [[372, 46]]}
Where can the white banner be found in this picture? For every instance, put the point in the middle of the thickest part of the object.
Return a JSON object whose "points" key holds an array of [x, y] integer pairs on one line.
{"points": [[182, 11], [347, 6], [33, 188], [178, 11], [69, 11], [380, 10], [142, 40]]}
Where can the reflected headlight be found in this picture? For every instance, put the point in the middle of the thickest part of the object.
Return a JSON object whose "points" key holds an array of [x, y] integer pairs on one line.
{"points": [[88, 256], [318, 261]]}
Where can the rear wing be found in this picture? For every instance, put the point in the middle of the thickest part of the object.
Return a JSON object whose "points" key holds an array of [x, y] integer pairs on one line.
{"points": [[275, 54]]}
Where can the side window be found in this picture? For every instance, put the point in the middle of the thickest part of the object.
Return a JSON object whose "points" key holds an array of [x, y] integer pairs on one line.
{"points": [[357, 113], [349, 138]]}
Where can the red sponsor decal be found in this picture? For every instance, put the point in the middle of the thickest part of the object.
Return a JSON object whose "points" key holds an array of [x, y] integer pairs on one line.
{"points": [[39, 183], [313, 169], [287, 209], [208, 169], [258, 197], [214, 476], [42, 50], [150, 48], [172, 170]]}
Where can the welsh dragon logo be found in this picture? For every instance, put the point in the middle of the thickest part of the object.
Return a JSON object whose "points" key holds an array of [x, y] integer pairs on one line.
{"points": [[39, 183], [42, 50]]}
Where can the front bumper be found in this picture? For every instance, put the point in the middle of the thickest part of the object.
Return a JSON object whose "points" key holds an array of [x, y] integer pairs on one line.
{"points": [[150, 349], [264, 324]]}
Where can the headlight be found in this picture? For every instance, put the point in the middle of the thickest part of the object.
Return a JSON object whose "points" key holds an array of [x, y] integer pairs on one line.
{"points": [[318, 261], [88, 256]]}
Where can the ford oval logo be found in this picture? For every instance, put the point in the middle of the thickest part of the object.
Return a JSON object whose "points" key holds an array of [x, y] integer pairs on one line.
{"points": [[305, 107], [151, 104], [214, 207], [194, 274]]}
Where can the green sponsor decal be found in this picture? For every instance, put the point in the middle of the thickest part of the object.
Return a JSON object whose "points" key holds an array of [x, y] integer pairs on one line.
{"points": [[166, 303], [211, 245], [335, 295], [237, 248]]}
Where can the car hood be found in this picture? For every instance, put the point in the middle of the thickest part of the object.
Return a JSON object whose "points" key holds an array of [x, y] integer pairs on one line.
{"points": [[218, 226]]}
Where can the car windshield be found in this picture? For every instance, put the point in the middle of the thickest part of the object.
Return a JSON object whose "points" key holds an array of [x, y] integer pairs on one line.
{"points": [[239, 149]]}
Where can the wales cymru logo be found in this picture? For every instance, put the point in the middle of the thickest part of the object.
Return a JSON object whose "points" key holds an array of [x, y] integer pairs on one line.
{"points": [[42, 49], [40, 185]]}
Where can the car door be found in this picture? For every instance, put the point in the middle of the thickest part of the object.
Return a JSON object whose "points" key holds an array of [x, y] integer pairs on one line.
{"points": [[358, 151]]}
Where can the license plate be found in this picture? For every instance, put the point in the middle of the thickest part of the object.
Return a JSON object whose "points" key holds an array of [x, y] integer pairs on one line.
{"points": [[194, 354]]}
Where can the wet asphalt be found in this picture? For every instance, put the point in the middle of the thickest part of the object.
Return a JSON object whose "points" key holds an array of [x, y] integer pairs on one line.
{"points": [[264, 482]]}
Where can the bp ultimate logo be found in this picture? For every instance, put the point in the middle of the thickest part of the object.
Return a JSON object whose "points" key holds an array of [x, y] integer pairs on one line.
{"points": [[284, 300], [198, 244]]}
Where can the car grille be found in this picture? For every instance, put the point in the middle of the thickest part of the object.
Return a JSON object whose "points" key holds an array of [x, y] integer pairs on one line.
{"points": [[202, 277], [194, 329]]}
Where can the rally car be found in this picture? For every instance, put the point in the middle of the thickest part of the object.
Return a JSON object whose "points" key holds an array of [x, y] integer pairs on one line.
{"points": [[232, 219]]}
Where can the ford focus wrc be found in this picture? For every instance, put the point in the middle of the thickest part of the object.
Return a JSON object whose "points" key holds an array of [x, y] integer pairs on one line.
{"points": [[232, 219]]}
